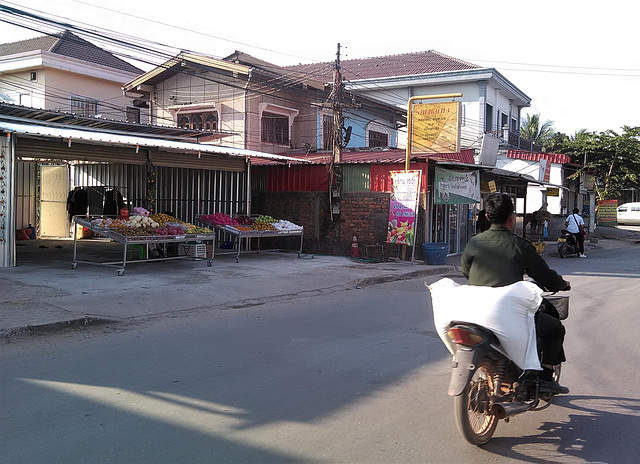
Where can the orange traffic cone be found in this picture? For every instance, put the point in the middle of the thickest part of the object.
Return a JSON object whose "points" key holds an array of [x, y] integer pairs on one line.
{"points": [[355, 250]]}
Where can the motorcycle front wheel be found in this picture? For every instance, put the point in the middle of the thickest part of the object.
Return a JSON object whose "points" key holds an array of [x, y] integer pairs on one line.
{"points": [[471, 408]]}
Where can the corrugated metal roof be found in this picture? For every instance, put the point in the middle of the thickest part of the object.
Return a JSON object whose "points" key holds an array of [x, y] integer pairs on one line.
{"points": [[559, 158], [372, 156], [17, 113], [107, 138], [406, 64], [70, 45]]}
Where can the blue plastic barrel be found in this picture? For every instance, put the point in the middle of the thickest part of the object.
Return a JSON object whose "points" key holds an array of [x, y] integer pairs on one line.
{"points": [[435, 252]]}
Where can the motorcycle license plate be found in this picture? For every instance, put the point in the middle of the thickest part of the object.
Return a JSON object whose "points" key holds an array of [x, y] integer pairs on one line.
{"points": [[562, 239]]}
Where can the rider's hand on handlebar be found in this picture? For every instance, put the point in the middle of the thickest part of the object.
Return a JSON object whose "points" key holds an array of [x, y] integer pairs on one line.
{"points": [[568, 287]]}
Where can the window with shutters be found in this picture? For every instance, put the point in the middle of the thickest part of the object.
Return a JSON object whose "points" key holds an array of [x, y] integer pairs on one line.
{"points": [[379, 134], [327, 132], [378, 139], [133, 114], [275, 123], [211, 122], [197, 122], [275, 128], [82, 106], [184, 122]]}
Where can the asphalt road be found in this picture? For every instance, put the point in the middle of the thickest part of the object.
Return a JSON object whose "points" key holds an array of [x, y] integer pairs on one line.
{"points": [[355, 377]]}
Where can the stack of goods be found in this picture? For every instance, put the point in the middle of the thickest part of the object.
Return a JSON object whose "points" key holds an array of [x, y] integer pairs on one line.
{"points": [[283, 224], [244, 223], [219, 219], [140, 225], [263, 222], [171, 224]]}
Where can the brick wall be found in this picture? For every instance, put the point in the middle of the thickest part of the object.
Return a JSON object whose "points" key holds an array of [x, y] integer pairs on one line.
{"points": [[363, 214]]}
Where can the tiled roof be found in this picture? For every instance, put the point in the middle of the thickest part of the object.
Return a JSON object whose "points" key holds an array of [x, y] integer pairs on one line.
{"points": [[68, 44], [406, 64]]}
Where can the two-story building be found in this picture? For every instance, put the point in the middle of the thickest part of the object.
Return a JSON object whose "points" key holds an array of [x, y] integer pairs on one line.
{"points": [[64, 72], [264, 107], [491, 104], [491, 108]]}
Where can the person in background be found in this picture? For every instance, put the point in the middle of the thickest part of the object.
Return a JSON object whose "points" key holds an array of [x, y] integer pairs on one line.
{"points": [[482, 223], [545, 230], [498, 257], [575, 226]]}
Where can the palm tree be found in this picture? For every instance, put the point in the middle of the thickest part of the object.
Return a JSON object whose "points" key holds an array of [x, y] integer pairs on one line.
{"points": [[536, 133]]}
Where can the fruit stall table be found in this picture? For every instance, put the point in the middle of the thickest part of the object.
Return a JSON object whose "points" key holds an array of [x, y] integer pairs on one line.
{"points": [[143, 242], [241, 232]]}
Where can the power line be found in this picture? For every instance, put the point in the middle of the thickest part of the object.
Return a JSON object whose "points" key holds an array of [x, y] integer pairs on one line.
{"points": [[123, 41]]}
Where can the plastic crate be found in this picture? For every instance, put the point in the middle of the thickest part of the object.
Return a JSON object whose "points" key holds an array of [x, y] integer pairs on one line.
{"points": [[198, 250], [540, 247]]}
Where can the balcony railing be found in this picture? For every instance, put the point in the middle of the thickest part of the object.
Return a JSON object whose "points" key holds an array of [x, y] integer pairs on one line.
{"points": [[513, 140]]}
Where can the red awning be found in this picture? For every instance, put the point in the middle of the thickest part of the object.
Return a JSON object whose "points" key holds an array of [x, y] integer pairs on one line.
{"points": [[558, 158]]}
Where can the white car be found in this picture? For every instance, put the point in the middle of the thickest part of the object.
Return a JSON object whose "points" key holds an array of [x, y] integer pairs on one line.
{"points": [[629, 213]]}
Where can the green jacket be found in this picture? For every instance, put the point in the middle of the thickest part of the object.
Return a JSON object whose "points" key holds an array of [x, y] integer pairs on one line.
{"points": [[498, 257]]}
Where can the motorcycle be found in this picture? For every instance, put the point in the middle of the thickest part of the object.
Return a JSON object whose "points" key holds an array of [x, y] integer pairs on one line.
{"points": [[488, 386], [567, 245]]}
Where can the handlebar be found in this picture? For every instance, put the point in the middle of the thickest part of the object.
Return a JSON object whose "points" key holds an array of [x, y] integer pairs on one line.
{"points": [[545, 289]]}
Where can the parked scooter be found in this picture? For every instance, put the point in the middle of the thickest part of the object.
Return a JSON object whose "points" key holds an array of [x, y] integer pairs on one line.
{"points": [[567, 245], [488, 386]]}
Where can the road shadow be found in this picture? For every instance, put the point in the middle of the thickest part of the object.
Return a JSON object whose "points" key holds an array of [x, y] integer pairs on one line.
{"points": [[600, 429]]}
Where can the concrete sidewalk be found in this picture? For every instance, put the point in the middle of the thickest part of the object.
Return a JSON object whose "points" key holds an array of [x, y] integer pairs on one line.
{"points": [[43, 293]]}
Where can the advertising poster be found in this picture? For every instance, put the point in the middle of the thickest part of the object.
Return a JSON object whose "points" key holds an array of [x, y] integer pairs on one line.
{"points": [[435, 128], [405, 186], [608, 213], [456, 187]]}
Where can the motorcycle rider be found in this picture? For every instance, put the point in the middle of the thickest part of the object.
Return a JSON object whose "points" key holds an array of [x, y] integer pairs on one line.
{"points": [[575, 224], [498, 257]]}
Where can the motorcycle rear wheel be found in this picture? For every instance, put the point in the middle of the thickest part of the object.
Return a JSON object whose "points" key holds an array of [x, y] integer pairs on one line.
{"points": [[562, 250], [471, 408]]}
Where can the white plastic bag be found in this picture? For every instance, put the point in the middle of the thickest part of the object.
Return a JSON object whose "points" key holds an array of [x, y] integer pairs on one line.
{"points": [[509, 312]]}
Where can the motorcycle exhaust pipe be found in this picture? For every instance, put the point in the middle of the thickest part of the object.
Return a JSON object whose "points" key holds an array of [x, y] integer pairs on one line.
{"points": [[503, 410]]}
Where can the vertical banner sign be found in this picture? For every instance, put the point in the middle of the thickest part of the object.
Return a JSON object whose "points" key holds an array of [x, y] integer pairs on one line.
{"points": [[544, 172], [403, 207], [608, 213], [436, 128], [456, 187]]}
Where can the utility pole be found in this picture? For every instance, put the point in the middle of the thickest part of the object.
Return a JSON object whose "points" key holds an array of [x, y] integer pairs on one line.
{"points": [[336, 105]]}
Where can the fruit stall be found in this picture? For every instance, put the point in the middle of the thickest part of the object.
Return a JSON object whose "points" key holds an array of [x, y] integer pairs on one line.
{"points": [[148, 235], [248, 228]]}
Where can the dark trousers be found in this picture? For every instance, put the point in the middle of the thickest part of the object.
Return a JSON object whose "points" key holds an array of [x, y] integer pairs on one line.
{"points": [[550, 333], [580, 242]]}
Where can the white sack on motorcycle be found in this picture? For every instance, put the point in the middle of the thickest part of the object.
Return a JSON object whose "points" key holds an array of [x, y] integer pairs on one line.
{"points": [[509, 312]]}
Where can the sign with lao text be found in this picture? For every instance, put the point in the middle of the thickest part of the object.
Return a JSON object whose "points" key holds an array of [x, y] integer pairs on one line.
{"points": [[435, 127], [405, 188], [608, 213], [456, 187]]}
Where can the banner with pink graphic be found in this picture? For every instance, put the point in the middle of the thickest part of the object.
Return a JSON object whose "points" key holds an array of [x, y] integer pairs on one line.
{"points": [[403, 207]]}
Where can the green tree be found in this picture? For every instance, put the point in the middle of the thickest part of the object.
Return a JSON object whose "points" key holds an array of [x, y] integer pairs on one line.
{"points": [[557, 143], [536, 132], [614, 159]]}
